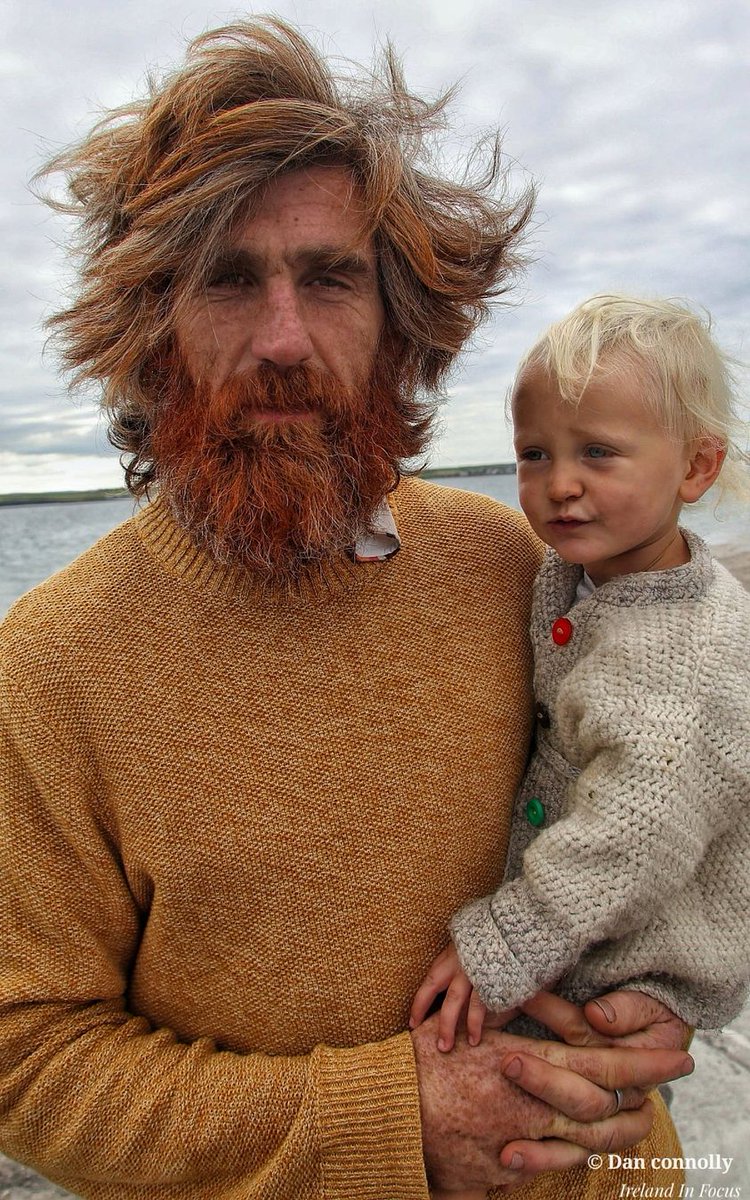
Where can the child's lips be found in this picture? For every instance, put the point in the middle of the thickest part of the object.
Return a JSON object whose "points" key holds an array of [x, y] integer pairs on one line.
{"points": [[567, 524]]}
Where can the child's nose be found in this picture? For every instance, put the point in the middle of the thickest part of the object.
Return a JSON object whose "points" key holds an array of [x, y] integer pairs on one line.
{"points": [[563, 482]]}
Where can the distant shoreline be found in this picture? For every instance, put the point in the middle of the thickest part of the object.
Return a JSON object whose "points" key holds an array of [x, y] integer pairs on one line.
{"points": [[15, 498]]}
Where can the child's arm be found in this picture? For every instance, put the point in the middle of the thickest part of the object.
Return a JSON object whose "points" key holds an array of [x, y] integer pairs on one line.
{"points": [[651, 857]]}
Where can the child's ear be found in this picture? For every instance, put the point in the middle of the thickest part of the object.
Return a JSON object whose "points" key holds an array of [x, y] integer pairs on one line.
{"points": [[706, 459]]}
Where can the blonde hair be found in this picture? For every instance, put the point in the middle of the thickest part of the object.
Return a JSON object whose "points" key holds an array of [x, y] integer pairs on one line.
{"points": [[158, 185], [691, 385]]}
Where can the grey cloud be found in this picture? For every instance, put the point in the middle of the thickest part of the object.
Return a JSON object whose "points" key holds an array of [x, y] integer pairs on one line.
{"points": [[631, 116], [34, 422], [45, 438]]}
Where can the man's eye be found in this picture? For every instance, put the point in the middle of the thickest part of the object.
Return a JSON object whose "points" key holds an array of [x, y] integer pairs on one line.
{"points": [[229, 279], [329, 282]]}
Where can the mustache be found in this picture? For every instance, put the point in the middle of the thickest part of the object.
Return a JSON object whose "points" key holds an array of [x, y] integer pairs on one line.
{"points": [[248, 400]]}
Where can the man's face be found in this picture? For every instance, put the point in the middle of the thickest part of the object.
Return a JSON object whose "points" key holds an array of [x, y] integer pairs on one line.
{"points": [[282, 418], [296, 285]]}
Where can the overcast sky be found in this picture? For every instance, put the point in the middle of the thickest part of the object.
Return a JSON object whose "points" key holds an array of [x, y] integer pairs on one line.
{"points": [[631, 116]]}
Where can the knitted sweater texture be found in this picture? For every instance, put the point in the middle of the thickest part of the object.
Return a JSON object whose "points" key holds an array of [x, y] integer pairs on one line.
{"points": [[236, 824], [639, 874]]}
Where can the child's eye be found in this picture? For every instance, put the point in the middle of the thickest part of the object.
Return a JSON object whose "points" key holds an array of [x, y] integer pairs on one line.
{"points": [[597, 452], [531, 455]]}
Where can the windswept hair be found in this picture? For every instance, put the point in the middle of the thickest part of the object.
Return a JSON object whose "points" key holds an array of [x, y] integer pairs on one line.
{"points": [[689, 383], [158, 185]]}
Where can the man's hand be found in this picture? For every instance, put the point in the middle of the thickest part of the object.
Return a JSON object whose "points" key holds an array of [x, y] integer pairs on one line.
{"points": [[627, 1019], [624, 1018], [485, 1108]]}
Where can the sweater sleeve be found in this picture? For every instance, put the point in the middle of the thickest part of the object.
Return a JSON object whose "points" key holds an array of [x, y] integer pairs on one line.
{"points": [[664, 774], [94, 1097]]}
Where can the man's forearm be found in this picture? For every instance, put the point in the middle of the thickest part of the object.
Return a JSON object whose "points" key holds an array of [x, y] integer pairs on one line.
{"points": [[96, 1100]]}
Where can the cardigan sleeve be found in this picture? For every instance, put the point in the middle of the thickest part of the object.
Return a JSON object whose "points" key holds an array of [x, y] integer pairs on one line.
{"points": [[95, 1098], [664, 770]]}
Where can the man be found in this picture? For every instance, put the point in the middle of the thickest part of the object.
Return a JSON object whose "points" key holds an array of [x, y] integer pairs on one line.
{"points": [[262, 740]]}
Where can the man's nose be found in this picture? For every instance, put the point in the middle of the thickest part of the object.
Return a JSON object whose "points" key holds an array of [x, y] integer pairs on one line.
{"points": [[563, 482], [279, 332]]}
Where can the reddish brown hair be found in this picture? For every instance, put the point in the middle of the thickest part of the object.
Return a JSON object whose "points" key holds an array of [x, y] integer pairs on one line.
{"points": [[158, 185]]}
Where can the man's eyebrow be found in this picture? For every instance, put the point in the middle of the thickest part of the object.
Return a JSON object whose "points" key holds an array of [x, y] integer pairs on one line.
{"points": [[334, 258], [315, 258], [234, 259]]}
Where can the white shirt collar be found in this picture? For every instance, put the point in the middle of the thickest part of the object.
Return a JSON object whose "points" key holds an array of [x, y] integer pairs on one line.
{"points": [[586, 587], [381, 540]]}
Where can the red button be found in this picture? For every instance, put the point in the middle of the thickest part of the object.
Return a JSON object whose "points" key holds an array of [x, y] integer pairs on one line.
{"points": [[562, 631]]}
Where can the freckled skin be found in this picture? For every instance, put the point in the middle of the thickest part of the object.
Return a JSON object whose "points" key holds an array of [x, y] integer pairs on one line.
{"points": [[470, 1110], [468, 1082], [299, 285], [463, 1083]]}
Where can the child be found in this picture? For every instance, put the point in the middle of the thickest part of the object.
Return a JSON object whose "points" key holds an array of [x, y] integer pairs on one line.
{"points": [[629, 856]]}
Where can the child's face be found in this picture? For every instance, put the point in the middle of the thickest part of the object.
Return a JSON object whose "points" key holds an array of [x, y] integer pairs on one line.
{"points": [[600, 482]]}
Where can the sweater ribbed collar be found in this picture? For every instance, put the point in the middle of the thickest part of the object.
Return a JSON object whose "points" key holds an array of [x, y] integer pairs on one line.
{"points": [[183, 559]]}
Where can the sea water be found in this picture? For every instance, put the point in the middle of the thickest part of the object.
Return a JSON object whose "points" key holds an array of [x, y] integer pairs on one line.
{"points": [[38, 539]]}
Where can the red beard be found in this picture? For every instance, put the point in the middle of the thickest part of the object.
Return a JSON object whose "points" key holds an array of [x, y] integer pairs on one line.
{"points": [[280, 494]]}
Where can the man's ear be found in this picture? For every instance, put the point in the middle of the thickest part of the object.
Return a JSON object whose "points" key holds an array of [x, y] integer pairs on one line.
{"points": [[706, 459]]}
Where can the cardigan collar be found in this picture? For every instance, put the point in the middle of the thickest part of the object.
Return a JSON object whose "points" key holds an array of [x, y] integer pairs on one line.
{"points": [[558, 580]]}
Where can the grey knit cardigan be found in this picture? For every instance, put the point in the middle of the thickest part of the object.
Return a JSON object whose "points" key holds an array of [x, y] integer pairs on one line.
{"points": [[639, 874]]}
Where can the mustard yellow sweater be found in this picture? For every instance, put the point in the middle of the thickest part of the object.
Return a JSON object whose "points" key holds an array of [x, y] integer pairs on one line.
{"points": [[235, 824]]}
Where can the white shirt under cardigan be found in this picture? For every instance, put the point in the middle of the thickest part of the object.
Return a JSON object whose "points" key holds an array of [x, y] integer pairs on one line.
{"points": [[639, 874]]}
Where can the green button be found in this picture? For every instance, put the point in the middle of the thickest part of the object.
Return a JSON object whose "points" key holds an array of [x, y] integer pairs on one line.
{"points": [[535, 811]]}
